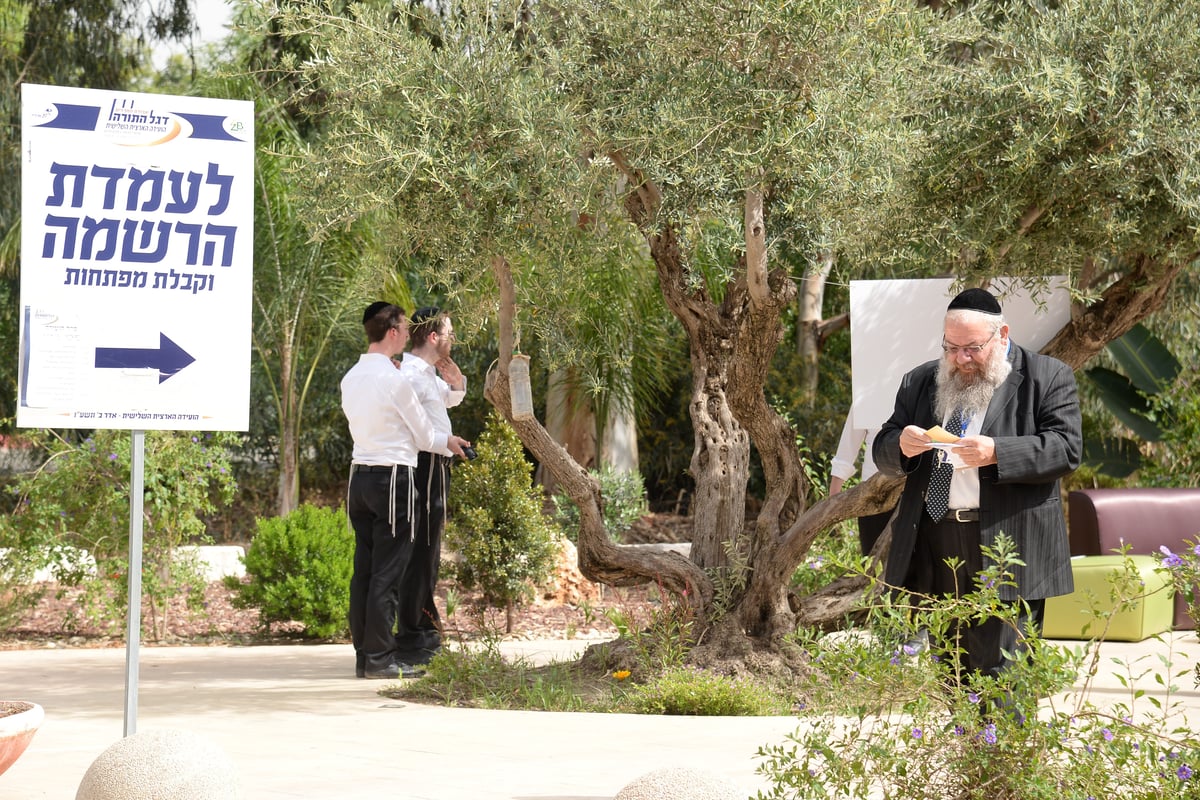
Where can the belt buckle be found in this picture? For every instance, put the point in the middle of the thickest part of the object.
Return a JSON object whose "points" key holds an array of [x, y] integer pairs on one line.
{"points": [[958, 512]]}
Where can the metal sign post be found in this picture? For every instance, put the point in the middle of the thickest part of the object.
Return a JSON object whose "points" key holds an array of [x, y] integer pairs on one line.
{"points": [[133, 634]]}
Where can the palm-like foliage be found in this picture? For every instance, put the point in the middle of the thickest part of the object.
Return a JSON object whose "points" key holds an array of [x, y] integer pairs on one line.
{"points": [[306, 293]]}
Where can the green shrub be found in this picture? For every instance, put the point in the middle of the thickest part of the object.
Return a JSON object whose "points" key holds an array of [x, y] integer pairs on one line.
{"points": [[922, 728], [299, 569], [496, 524], [79, 497], [624, 496], [687, 691]]}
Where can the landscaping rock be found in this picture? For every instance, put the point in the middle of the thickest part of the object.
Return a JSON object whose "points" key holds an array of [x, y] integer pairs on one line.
{"points": [[161, 765], [680, 783]]}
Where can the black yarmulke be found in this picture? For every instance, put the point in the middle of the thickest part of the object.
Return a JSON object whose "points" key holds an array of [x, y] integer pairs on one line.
{"points": [[975, 300], [374, 309]]}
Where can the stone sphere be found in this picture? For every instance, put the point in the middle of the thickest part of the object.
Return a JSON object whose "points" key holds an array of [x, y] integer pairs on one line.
{"points": [[160, 765], [680, 783]]}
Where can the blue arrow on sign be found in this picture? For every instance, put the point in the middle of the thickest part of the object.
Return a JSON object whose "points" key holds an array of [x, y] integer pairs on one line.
{"points": [[168, 358]]}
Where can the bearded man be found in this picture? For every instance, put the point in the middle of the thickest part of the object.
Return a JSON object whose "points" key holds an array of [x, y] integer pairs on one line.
{"points": [[1017, 413]]}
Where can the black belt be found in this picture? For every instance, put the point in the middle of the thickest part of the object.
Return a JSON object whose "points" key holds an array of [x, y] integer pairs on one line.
{"points": [[376, 467], [961, 515]]}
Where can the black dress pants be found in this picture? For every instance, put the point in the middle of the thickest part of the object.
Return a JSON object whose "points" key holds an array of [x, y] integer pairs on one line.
{"points": [[419, 625], [983, 643], [378, 505]]}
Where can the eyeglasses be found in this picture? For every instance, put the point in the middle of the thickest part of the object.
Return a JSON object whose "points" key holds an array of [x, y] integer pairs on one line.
{"points": [[969, 350]]}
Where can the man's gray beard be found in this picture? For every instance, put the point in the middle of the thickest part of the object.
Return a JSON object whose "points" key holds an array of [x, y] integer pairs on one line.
{"points": [[973, 398]]}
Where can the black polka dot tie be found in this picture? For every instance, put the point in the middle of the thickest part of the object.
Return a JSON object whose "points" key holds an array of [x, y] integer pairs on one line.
{"points": [[937, 497]]}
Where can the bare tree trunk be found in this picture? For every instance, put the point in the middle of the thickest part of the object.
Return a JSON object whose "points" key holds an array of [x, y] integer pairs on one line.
{"points": [[288, 495], [808, 327], [1138, 293], [619, 449], [600, 559], [570, 422]]}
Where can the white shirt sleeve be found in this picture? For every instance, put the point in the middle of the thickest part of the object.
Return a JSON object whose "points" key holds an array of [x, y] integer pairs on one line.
{"points": [[848, 447]]}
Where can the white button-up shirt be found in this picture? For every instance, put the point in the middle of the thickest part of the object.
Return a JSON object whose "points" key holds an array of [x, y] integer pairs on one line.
{"points": [[434, 394], [387, 420]]}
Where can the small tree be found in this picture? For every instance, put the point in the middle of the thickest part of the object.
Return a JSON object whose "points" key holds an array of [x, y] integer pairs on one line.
{"points": [[80, 497], [299, 568], [507, 545]]}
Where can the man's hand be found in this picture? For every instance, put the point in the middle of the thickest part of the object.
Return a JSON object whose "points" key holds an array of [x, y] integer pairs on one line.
{"points": [[976, 451], [456, 445], [913, 441], [450, 373]]}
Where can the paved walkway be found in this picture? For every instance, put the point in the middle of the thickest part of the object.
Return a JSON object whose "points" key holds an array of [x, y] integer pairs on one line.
{"points": [[298, 724]]}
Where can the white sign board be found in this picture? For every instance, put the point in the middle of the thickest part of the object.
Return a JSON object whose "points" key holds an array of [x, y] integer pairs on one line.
{"points": [[136, 260], [897, 325]]}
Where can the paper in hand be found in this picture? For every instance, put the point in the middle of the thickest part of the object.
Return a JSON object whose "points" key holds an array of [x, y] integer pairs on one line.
{"points": [[939, 434]]}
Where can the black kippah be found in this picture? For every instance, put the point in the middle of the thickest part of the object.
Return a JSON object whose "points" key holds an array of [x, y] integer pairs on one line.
{"points": [[425, 313], [975, 300], [374, 309]]}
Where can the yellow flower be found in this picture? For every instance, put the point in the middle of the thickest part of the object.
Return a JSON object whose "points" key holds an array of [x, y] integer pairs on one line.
{"points": [[621, 674]]}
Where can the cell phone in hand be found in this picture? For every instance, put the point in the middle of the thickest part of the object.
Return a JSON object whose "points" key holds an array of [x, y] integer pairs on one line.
{"points": [[469, 453]]}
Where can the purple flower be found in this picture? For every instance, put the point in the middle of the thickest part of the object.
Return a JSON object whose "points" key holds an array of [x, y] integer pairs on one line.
{"points": [[1184, 772], [973, 697], [917, 733], [959, 730], [911, 649], [989, 733], [112, 456], [1107, 734], [1196, 550], [1170, 559]]}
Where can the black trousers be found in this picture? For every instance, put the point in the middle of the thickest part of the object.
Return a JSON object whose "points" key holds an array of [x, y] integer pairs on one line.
{"points": [[870, 528], [419, 625], [378, 507], [984, 643]]}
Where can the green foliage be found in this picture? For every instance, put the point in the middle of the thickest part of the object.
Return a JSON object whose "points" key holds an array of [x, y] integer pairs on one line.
{"points": [[478, 675], [662, 642], [1175, 459], [299, 569], [80, 497], [496, 522], [1183, 569], [897, 721], [624, 503], [687, 691], [1061, 133], [833, 554]]}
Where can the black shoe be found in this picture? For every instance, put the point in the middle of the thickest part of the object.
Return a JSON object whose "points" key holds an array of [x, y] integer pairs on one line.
{"points": [[360, 665], [410, 670], [393, 671], [420, 656]]}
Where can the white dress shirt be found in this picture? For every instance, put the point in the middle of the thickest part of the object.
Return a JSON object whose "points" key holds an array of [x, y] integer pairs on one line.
{"points": [[849, 445], [434, 394], [387, 421], [964, 486]]}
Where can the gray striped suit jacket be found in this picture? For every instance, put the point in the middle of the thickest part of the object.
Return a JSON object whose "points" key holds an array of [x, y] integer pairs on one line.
{"points": [[1035, 421]]}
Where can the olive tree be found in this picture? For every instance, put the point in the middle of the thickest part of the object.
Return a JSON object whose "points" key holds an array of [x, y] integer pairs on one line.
{"points": [[535, 149]]}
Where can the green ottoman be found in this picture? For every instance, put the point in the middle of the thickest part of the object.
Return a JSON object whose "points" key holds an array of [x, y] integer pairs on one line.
{"points": [[1068, 615]]}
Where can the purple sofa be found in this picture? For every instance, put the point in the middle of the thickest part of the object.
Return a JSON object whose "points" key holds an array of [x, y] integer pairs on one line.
{"points": [[1102, 521]]}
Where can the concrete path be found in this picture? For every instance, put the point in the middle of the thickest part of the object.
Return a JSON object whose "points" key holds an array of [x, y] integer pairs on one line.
{"points": [[297, 723]]}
